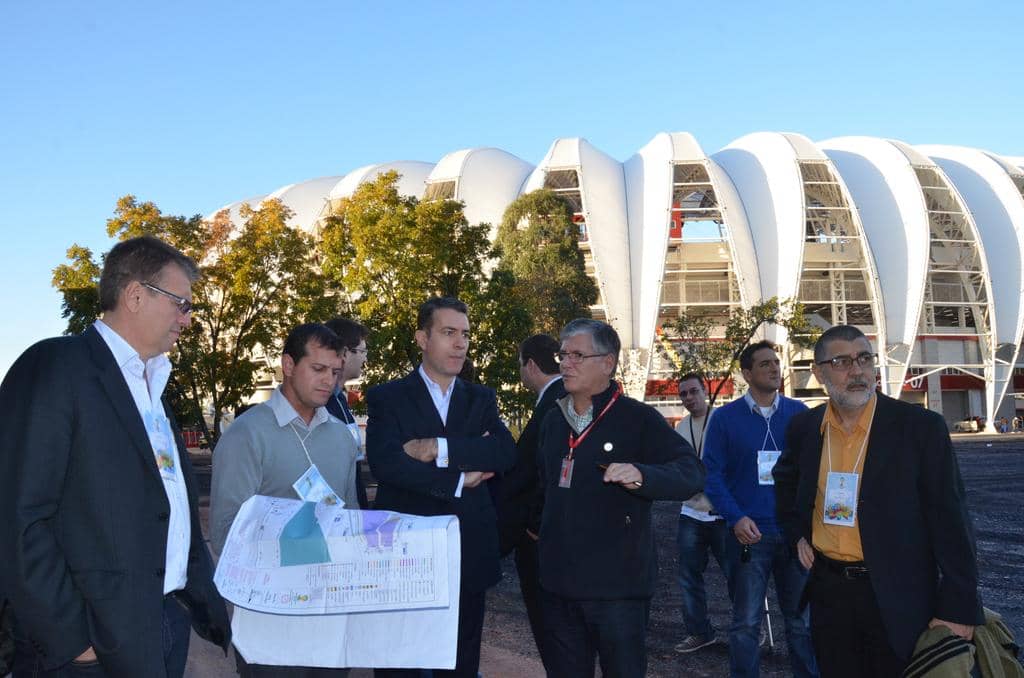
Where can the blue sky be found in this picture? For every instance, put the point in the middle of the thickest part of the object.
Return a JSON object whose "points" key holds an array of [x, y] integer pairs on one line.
{"points": [[197, 104]]}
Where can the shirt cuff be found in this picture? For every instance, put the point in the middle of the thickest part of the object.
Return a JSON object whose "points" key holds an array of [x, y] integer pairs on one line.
{"points": [[458, 488], [442, 455]]}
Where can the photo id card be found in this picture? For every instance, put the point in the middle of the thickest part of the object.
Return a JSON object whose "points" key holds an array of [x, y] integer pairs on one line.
{"points": [[765, 463], [841, 499], [565, 477], [311, 486]]}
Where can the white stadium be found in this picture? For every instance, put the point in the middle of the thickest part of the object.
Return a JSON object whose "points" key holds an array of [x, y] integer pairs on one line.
{"points": [[922, 247]]}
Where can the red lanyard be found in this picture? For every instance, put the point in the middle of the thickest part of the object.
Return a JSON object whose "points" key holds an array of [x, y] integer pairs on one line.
{"points": [[575, 442]]}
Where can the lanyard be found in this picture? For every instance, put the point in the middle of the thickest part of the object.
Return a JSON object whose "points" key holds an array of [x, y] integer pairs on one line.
{"points": [[302, 441], [345, 413], [863, 447], [768, 433], [699, 444], [575, 442]]}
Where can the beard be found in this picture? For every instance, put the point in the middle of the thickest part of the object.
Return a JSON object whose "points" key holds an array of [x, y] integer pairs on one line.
{"points": [[846, 399]]}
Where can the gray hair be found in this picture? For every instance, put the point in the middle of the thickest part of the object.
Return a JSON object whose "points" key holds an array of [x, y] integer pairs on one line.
{"points": [[836, 332], [604, 336]]}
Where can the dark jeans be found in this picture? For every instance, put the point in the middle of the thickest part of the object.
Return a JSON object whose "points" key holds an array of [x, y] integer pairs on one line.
{"points": [[847, 629], [528, 568], [175, 632], [613, 630], [471, 624], [695, 539], [770, 556], [246, 670]]}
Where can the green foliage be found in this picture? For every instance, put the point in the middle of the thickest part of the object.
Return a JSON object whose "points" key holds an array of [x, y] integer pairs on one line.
{"points": [[393, 252], [539, 245], [258, 280], [702, 350]]}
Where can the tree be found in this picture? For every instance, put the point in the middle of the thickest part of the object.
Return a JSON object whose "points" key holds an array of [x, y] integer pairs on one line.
{"points": [[392, 252], [258, 280], [539, 244], [716, 358]]}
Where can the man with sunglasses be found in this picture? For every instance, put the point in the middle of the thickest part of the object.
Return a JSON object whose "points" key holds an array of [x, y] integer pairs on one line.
{"points": [[103, 558], [603, 459], [869, 494]]}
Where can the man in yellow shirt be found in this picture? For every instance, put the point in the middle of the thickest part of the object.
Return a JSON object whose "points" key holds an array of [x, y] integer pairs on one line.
{"points": [[869, 493]]}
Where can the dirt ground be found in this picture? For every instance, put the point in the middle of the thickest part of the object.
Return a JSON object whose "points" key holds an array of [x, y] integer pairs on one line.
{"points": [[993, 471]]}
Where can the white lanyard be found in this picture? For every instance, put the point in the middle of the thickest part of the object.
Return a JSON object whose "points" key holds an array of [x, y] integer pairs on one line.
{"points": [[302, 441], [768, 434], [345, 414], [863, 447]]}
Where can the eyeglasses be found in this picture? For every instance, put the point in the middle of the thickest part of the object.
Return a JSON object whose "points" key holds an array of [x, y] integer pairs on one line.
{"points": [[183, 304], [575, 356], [844, 362]]}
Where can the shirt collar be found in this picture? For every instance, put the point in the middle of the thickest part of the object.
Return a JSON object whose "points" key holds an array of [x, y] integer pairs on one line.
{"points": [[756, 409], [540, 396], [863, 421], [157, 368], [285, 414], [434, 386]]}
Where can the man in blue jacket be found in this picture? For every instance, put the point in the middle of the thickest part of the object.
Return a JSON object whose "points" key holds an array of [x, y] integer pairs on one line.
{"points": [[603, 459], [743, 442]]}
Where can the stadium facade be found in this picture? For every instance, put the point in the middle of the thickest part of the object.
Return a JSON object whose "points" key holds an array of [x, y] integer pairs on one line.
{"points": [[922, 247]]}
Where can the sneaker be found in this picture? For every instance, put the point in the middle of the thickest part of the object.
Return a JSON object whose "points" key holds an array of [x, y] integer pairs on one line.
{"points": [[694, 643]]}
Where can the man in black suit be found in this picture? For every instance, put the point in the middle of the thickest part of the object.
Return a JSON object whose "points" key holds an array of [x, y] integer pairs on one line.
{"points": [[518, 505], [353, 339], [869, 493], [432, 441], [103, 559]]}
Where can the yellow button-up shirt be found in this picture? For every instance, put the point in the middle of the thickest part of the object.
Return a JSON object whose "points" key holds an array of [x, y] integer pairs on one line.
{"points": [[835, 541]]}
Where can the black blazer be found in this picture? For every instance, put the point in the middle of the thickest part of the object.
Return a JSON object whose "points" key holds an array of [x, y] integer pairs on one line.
{"points": [[915, 531], [518, 505], [83, 514], [402, 410]]}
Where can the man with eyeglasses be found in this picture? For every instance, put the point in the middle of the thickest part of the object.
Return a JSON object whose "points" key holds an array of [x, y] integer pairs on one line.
{"points": [[103, 559], [743, 442], [869, 493], [353, 341], [701, 527], [603, 459]]}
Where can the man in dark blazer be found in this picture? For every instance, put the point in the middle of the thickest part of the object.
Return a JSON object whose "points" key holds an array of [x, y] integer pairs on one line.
{"points": [[869, 493], [432, 441], [518, 504], [103, 559], [353, 339]]}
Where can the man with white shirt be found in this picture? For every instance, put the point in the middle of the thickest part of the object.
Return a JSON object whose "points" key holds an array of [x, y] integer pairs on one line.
{"points": [[701, 528], [289, 447], [104, 562], [432, 440]]}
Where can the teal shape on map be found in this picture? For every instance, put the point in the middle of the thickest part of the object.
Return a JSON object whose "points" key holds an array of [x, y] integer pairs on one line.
{"points": [[302, 541]]}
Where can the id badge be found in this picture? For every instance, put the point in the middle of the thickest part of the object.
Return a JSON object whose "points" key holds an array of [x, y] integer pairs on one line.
{"points": [[841, 499], [311, 486], [565, 477], [357, 435], [765, 463], [161, 439]]}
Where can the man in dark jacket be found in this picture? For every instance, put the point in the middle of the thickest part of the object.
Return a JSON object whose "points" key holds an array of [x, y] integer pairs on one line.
{"points": [[518, 505], [604, 458], [869, 494]]}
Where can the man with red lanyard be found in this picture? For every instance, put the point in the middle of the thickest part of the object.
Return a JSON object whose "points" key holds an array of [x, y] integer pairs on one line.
{"points": [[603, 457]]}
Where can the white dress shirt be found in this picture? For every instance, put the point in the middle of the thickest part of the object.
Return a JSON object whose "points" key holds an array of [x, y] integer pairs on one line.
{"points": [[146, 381], [442, 398]]}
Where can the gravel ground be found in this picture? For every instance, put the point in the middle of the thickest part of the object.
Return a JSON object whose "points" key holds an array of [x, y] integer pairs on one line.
{"points": [[993, 471]]}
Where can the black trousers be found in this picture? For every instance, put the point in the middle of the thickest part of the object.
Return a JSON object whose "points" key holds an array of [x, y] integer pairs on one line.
{"points": [[846, 625], [528, 568], [613, 631], [467, 662]]}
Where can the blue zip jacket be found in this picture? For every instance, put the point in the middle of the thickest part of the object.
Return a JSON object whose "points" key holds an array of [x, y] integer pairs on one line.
{"points": [[734, 436]]}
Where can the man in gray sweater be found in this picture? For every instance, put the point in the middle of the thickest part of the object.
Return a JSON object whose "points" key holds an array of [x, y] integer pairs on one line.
{"points": [[290, 447]]}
